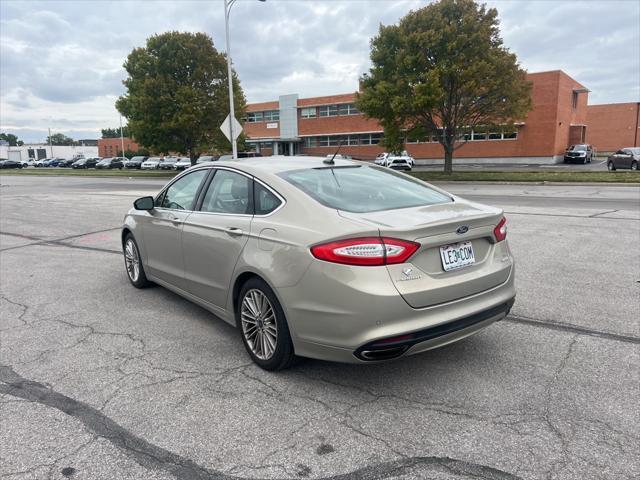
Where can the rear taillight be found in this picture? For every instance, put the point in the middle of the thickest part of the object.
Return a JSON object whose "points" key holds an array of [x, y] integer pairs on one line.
{"points": [[367, 251], [500, 232]]}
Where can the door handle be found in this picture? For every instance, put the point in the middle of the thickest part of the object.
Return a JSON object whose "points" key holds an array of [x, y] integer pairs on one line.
{"points": [[233, 231], [176, 220]]}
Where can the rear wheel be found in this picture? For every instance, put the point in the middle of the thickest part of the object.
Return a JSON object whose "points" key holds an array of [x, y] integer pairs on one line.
{"points": [[611, 167], [263, 326], [133, 263], [634, 165]]}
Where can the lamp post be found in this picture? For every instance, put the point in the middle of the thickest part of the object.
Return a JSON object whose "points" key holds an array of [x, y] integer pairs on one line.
{"points": [[121, 137], [227, 11]]}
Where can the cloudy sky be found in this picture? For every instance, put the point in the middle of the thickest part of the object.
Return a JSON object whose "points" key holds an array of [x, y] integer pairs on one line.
{"points": [[61, 61]]}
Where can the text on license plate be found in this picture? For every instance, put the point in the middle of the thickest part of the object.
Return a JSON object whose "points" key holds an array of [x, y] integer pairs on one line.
{"points": [[457, 255]]}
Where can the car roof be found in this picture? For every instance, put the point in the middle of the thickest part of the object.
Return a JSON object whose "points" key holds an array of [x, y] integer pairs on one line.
{"points": [[278, 163]]}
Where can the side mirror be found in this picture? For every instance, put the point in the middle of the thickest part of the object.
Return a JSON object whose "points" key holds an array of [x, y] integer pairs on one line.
{"points": [[143, 203]]}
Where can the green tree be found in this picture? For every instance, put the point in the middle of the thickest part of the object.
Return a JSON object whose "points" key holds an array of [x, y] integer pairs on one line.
{"points": [[443, 71], [115, 132], [61, 139], [11, 139], [177, 94]]}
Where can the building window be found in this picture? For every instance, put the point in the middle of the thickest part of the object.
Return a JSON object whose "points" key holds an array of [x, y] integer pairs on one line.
{"points": [[311, 141], [370, 138], [495, 136], [309, 112], [574, 100], [347, 109], [271, 115], [479, 136], [510, 135], [328, 111], [352, 140], [253, 117]]}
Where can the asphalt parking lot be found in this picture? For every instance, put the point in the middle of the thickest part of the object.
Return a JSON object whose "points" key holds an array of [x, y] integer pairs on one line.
{"points": [[99, 380]]}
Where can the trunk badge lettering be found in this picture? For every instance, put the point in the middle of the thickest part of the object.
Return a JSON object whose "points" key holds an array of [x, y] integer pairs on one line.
{"points": [[462, 230]]}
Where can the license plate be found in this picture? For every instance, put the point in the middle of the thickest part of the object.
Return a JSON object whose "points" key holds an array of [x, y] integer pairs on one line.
{"points": [[457, 255]]}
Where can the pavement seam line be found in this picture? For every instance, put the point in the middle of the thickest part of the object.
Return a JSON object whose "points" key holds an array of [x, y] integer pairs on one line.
{"points": [[568, 327], [60, 241]]}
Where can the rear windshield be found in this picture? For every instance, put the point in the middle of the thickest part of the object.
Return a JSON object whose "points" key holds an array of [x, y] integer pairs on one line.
{"points": [[363, 189]]}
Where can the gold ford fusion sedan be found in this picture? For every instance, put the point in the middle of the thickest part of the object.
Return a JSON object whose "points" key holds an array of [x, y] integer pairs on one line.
{"points": [[342, 260]]}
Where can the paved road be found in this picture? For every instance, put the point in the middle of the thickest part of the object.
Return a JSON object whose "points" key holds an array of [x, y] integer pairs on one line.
{"points": [[99, 380]]}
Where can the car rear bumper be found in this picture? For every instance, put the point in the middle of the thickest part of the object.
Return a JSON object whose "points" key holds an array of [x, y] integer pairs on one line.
{"points": [[339, 320]]}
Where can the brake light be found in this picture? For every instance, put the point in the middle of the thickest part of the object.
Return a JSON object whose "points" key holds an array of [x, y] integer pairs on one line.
{"points": [[500, 232], [366, 251]]}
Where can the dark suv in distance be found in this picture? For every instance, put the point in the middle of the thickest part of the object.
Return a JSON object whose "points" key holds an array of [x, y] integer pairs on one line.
{"points": [[85, 163], [109, 163], [581, 153]]}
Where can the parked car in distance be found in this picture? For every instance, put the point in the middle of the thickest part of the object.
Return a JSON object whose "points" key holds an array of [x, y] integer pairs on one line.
{"points": [[10, 164], [167, 163], [581, 153], [85, 163], [134, 162], [228, 156], [206, 158], [378, 264], [67, 162], [625, 158], [381, 159], [109, 163], [52, 162], [41, 162], [182, 164], [399, 163], [151, 163]]}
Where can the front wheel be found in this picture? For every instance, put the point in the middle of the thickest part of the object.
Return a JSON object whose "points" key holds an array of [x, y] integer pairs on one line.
{"points": [[263, 326], [133, 263], [634, 165], [611, 167]]}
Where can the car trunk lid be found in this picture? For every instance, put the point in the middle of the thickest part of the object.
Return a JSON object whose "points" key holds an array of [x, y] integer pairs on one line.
{"points": [[422, 280]]}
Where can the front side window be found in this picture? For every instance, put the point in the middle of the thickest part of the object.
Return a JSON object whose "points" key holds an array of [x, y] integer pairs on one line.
{"points": [[181, 195], [229, 192], [363, 189]]}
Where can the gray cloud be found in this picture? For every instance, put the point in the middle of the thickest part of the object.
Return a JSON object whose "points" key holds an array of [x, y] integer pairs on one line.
{"points": [[62, 60]]}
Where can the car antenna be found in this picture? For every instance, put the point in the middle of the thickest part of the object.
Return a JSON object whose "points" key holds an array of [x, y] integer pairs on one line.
{"points": [[329, 161]]}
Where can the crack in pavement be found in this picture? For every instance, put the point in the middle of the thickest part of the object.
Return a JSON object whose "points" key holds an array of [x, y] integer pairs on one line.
{"points": [[38, 241], [154, 457], [568, 327]]}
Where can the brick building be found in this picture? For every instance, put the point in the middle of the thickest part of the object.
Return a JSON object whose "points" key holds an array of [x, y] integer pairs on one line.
{"points": [[112, 147], [293, 125], [614, 126]]}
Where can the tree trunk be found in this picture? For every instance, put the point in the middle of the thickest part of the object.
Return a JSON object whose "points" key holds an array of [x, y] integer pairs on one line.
{"points": [[448, 159]]}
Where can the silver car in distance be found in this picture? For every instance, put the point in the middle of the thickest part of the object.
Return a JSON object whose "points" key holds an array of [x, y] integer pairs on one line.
{"points": [[342, 261]]}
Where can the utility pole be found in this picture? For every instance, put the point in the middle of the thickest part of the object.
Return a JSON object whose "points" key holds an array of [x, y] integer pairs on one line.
{"points": [[121, 137]]}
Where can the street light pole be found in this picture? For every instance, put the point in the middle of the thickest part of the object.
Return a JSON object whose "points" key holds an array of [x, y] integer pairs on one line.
{"points": [[234, 144], [121, 137], [227, 11]]}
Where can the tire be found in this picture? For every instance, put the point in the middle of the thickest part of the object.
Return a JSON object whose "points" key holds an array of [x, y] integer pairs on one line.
{"points": [[259, 325], [611, 167], [131, 252], [634, 165]]}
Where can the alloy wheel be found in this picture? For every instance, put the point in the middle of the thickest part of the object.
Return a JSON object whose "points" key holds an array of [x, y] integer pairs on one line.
{"points": [[259, 324], [132, 260]]}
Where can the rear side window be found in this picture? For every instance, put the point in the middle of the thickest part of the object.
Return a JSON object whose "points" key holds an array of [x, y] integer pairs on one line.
{"points": [[362, 189], [265, 201]]}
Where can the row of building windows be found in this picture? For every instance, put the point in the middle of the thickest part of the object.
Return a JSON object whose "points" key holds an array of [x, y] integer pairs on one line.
{"points": [[350, 140], [265, 116], [329, 110], [306, 112], [470, 136]]}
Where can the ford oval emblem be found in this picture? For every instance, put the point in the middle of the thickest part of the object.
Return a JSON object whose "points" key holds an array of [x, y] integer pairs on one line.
{"points": [[462, 230]]}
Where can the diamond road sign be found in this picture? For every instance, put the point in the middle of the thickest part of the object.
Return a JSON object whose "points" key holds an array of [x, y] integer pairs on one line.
{"points": [[237, 128]]}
